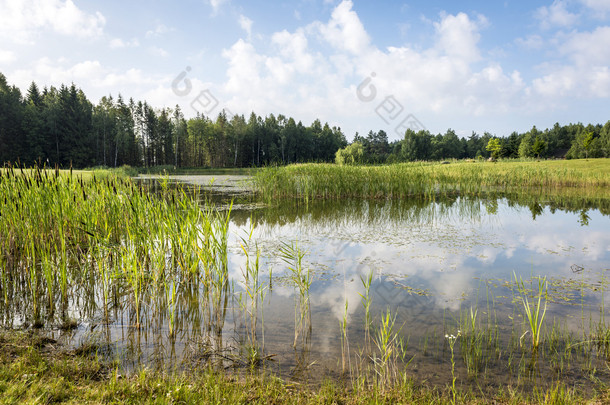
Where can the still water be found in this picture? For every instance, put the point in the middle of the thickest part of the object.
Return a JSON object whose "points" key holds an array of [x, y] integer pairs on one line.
{"points": [[435, 267]]}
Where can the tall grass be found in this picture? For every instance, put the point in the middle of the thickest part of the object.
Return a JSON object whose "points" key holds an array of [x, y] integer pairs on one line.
{"points": [[300, 278], [310, 181], [63, 238]]}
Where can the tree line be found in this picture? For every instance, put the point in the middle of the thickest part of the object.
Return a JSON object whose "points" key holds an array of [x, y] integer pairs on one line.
{"points": [[571, 141], [61, 126]]}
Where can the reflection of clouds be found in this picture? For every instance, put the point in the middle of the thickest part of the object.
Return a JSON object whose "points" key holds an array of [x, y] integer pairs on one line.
{"points": [[335, 294], [449, 288], [442, 252]]}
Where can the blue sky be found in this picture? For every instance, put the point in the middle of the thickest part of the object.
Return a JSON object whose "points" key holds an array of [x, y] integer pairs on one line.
{"points": [[470, 65]]}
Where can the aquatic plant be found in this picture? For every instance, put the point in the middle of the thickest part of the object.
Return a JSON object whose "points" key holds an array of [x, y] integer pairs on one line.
{"points": [[300, 278], [532, 311]]}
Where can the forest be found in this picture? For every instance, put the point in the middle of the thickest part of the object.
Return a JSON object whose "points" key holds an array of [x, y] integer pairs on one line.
{"points": [[62, 126]]}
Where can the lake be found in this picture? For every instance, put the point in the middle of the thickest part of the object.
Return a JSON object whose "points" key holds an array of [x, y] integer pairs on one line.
{"points": [[439, 287]]}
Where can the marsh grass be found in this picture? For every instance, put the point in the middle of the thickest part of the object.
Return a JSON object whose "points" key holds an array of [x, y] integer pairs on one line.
{"points": [[311, 181], [532, 311], [64, 238], [389, 358], [300, 279]]}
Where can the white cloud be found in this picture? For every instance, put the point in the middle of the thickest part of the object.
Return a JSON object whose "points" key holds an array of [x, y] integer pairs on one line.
{"points": [[7, 57], [117, 43], [602, 6], [160, 29], [94, 78], [47, 71], [345, 31], [20, 20], [458, 37], [556, 15], [441, 78], [588, 48], [533, 41], [159, 52], [217, 4], [587, 75], [246, 24]]}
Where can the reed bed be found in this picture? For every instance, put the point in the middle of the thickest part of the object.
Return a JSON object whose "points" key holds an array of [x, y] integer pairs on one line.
{"points": [[65, 241], [311, 181]]}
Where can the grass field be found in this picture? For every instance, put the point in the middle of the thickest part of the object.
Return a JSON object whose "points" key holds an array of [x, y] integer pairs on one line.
{"points": [[407, 179]]}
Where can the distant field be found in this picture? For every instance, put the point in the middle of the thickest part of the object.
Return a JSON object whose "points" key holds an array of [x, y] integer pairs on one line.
{"points": [[405, 179], [85, 174]]}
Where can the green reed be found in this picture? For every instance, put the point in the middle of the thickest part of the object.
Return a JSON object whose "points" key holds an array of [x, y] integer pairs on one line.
{"points": [[311, 181], [345, 354], [255, 293], [391, 351], [532, 311], [64, 238], [300, 278], [366, 303]]}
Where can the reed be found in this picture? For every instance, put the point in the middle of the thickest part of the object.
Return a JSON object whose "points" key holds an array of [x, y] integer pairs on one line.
{"points": [[532, 311], [300, 278], [366, 303], [311, 181], [254, 295], [391, 351]]}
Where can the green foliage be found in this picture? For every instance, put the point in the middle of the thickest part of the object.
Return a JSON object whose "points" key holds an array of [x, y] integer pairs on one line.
{"points": [[350, 155], [495, 147], [539, 147]]}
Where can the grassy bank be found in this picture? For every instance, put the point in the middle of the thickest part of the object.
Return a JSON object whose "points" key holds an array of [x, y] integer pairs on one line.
{"points": [[34, 369], [406, 179]]}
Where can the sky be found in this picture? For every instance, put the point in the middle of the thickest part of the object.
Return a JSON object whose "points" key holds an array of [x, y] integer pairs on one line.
{"points": [[385, 65]]}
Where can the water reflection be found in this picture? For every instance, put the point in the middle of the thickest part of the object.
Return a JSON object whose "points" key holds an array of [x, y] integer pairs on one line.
{"points": [[440, 248], [431, 261]]}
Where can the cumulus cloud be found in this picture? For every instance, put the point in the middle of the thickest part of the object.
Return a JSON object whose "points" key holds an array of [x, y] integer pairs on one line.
{"points": [[323, 84], [246, 24], [458, 36], [96, 79], [556, 15], [21, 20], [345, 30], [587, 74]]}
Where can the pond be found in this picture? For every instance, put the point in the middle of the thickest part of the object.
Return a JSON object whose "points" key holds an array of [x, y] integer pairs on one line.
{"points": [[349, 288]]}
